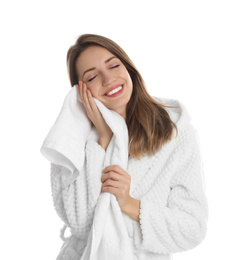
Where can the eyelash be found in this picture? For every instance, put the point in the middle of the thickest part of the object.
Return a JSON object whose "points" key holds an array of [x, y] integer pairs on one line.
{"points": [[91, 79], [116, 66]]}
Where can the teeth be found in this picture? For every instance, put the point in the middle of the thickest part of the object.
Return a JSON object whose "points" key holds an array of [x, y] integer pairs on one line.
{"points": [[114, 91]]}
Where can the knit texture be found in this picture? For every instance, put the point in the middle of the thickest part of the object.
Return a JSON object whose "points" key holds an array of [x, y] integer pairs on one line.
{"points": [[169, 184]]}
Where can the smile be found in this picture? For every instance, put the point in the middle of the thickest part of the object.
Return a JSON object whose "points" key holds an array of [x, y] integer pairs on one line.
{"points": [[114, 92]]}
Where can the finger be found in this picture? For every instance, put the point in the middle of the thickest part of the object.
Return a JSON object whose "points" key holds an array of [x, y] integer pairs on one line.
{"points": [[91, 100], [80, 89], [112, 190], [114, 168], [111, 183], [92, 103], [84, 96], [111, 175]]}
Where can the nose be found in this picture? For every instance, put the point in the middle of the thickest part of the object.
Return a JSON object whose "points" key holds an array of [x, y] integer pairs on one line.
{"points": [[108, 78]]}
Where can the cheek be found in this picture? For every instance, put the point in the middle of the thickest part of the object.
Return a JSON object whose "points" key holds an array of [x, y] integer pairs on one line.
{"points": [[93, 92], [129, 81], [94, 88], [126, 75]]}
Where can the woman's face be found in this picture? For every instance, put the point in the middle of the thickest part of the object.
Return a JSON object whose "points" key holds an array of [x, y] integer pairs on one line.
{"points": [[106, 77]]}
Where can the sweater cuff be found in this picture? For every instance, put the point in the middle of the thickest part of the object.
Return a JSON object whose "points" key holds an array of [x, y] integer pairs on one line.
{"points": [[144, 236], [146, 208]]}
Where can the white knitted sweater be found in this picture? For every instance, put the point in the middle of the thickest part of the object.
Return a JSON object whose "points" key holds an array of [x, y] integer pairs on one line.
{"points": [[169, 185]]}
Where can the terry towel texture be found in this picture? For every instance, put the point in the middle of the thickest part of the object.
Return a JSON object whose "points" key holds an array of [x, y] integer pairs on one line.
{"points": [[169, 185], [108, 237]]}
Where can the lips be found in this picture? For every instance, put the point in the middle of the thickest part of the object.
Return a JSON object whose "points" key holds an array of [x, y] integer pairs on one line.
{"points": [[114, 90]]}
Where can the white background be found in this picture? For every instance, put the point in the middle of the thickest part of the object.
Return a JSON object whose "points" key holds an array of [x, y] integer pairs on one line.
{"points": [[194, 51]]}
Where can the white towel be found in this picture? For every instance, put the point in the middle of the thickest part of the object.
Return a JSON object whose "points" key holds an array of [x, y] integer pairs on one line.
{"points": [[65, 145]]}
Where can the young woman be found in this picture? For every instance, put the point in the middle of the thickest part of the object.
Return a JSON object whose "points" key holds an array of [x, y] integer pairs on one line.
{"points": [[160, 193]]}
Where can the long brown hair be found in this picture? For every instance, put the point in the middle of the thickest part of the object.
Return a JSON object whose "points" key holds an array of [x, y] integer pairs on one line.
{"points": [[149, 124]]}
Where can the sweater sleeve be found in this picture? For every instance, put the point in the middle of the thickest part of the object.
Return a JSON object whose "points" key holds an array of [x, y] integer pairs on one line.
{"points": [[75, 202], [177, 222]]}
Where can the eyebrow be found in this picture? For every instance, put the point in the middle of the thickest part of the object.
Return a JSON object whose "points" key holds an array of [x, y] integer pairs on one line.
{"points": [[93, 68]]}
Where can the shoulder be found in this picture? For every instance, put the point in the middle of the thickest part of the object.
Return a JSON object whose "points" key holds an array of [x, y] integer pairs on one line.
{"points": [[186, 135], [176, 110]]}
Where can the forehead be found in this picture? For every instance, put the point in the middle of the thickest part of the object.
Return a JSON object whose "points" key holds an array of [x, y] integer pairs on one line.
{"points": [[92, 56]]}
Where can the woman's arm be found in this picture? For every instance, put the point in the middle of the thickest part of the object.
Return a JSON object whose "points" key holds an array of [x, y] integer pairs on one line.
{"points": [[132, 208], [175, 222], [94, 115], [117, 181]]}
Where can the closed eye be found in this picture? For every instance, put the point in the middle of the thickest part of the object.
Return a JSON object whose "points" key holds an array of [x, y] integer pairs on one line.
{"points": [[116, 66], [92, 78]]}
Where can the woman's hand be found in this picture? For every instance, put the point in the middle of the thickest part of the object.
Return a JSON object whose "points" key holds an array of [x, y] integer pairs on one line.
{"points": [[94, 114], [117, 181]]}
